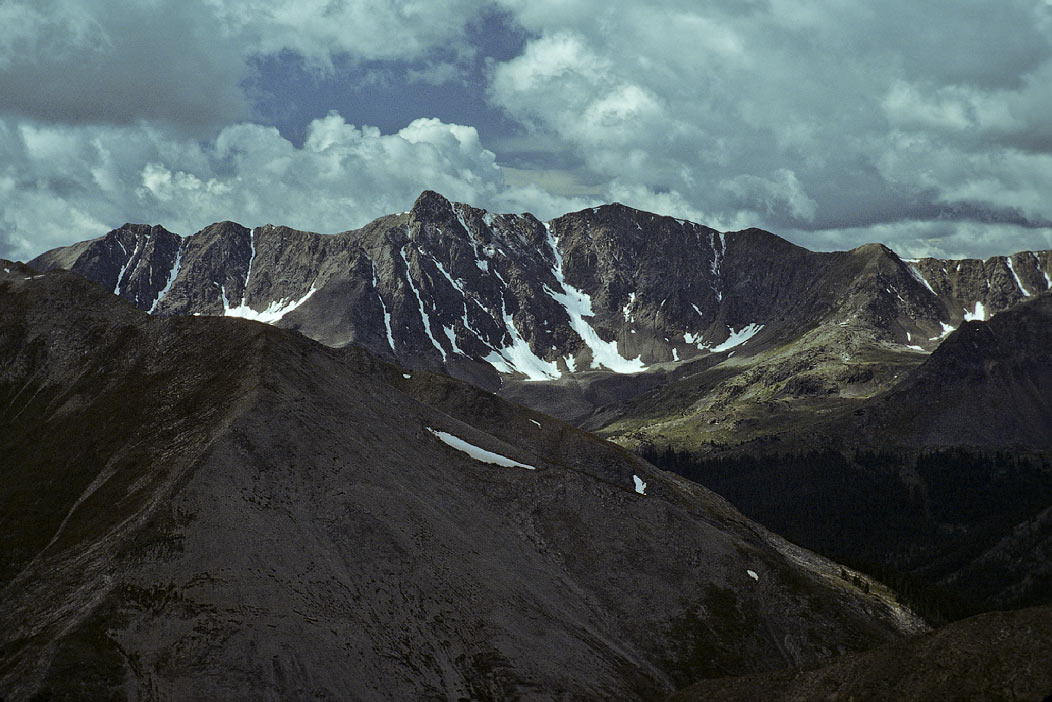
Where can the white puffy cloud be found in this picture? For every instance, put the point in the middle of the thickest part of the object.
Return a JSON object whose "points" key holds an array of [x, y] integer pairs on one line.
{"points": [[60, 184], [920, 124]]}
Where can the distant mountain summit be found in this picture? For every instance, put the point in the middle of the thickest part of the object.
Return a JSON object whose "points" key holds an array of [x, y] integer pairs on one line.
{"points": [[605, 303]]}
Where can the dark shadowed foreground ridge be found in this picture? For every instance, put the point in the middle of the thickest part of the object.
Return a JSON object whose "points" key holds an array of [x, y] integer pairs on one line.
{"points": [[216, 508]]}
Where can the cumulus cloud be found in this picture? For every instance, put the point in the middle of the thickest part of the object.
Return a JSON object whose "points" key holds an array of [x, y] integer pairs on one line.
{"points": [[837, 122], [60, 184], [923, 125], [118, 111]]}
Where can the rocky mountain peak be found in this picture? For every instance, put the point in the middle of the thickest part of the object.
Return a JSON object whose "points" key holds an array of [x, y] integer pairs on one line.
{"points": [[501, 299], [131, 261], [431, 207]]}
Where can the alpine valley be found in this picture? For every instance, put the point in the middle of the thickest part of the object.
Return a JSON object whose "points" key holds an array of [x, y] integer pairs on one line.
{"points": [[424, 476]]}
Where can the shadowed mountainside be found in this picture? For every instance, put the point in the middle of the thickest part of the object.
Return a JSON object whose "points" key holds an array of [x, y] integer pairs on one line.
{"points": [[943, 480], [215, 508], [988, 384], [997, 656]]}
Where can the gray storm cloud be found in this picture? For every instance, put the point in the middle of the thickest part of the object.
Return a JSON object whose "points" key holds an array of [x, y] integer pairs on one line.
{"points": [[923, 125], [826, 119]]}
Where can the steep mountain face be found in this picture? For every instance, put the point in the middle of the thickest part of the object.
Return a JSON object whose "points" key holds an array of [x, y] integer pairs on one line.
{"points": [[987, 287], [136, 262], [209, 508], [998, 656], [646, 329], [600, 306], [988, 384]]}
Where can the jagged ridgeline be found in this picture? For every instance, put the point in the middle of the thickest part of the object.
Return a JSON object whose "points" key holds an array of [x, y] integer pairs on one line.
{"points": [[444, 285], [497, 297]]}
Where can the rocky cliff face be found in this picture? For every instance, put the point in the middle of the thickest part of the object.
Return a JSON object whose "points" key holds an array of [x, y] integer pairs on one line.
{"points": [[975, 289], [137, 262], [601, 305], [233, 511]]}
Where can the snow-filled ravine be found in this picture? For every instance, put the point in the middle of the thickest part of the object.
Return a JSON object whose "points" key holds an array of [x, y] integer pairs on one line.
{"points": [[978, 315], [273, 313], [578, 305]]}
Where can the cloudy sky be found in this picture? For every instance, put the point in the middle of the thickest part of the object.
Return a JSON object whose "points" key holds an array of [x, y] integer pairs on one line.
{"points": [[925, 125]]}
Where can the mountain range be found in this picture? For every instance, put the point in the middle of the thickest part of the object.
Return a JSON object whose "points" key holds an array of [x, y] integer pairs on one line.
{"points": [[579, 316], [224, 483]]}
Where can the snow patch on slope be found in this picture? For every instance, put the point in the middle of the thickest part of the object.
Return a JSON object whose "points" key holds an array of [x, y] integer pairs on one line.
{"points": [[457, 285], [518, 356], [979, 315], [251, 261], [479, 454], [274, 311], [946, 329], [445, 274], [737, 338], [1037, 264], [171, 277], [420, 305], [451, 334], [482, 264], [387, 313], [920, 278], [1018, 282], [626, 310], [463, 222], [717, 259], [124, 268], [450, 331], [578, 305]]}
